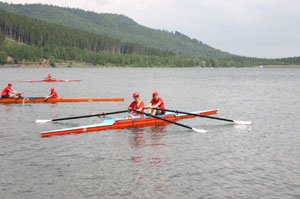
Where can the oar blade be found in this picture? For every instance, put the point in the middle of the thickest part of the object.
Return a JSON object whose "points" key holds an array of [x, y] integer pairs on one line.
{"points": [[199, 130], [242, 122], [42, 121]]}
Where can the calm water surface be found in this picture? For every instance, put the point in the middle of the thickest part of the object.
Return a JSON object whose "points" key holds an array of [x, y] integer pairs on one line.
{"points": [[230, 161]]}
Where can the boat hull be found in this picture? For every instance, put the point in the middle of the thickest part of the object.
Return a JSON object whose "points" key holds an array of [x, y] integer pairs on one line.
{"points": [[56, 100], [121, 123], [50, 80]]}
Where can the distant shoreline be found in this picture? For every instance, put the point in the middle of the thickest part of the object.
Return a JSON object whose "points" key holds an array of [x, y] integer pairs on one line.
{"points": [[280, 66], [58, 65], [88, 65]]}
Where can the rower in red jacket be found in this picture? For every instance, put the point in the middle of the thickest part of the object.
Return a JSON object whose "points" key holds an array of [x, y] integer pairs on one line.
{"points": [[8, 89], [53, 94], [49, 77], [157, 102], [138, 105]]}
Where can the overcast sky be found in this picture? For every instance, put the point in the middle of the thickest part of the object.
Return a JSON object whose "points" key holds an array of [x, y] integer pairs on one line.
{"points": [[257, 28]]}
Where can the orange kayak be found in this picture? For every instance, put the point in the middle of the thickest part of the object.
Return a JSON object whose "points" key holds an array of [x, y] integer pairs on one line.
{"points": [[122, 123], [55, 100]]}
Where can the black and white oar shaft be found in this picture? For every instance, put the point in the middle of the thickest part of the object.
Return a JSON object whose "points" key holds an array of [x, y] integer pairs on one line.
{"points": [[79, 117], [211, 117]]}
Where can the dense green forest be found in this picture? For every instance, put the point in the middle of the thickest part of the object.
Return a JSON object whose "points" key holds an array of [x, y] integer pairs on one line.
{"points": [[29, 40], [116, 26], [23, 53], [39, 33]]}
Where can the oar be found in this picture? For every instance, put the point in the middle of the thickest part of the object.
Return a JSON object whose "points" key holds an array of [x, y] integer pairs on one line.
{"points": [[22, 97], [176, 123], [78, 117], [210, 117]]}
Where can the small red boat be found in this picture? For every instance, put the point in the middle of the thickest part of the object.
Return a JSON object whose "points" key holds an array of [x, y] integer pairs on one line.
{"points": [[51, 80]]}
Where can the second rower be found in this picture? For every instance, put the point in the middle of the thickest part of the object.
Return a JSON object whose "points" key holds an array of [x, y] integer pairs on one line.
{"points": [[157, 102], [53, 94], [49, 77]]}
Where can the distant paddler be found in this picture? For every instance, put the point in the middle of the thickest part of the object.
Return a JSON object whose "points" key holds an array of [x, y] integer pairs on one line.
{"points": [[157, 102], [53, 94], [9, 90], [49, 77], [138, 105]]}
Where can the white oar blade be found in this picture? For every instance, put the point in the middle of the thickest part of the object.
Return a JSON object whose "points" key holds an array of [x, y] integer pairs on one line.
{"points": [[42, 121], [199, 130], [243, 122]]}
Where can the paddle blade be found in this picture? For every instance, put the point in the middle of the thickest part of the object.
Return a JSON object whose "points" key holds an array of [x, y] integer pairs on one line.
{"points": [[242, 122], [199, 130], [42, 121]]}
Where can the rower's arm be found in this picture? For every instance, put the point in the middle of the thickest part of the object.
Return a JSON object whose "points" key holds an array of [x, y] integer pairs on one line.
{"points": [[141, 109], [51, 95], [14, 92], [157, 105]]}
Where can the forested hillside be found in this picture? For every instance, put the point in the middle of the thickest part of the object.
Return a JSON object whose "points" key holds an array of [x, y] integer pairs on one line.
{"points": [[32, 41], [39, 33], [117, 26]]}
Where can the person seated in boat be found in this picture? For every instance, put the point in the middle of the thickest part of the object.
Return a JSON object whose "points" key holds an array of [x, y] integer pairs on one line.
{"points": [[156, 102], [138, 105], [49, 77], [8, 89], [53, 94]]}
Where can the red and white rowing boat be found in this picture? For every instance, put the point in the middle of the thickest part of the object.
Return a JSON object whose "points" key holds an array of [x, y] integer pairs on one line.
{"points": [[122, 123]]}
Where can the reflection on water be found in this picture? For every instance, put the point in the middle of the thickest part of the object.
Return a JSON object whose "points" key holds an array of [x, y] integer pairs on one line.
{"points": [[157, 133], [144, 137], [54, 105], [137, 138], [7, 109]]}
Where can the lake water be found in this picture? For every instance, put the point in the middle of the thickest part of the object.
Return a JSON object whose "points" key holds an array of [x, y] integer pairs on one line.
{"points": [[230, 161]]}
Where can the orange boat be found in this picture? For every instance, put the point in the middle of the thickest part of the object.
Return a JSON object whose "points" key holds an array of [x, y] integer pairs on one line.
{"points": [[121, 123], [55, 100]]}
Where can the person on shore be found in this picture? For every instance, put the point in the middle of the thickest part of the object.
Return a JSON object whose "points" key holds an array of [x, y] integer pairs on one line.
{"points": [[53, 94], [8, 90], [138, 105], [157, 105]]}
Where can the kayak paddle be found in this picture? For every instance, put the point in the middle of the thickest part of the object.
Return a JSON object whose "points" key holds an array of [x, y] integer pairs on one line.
{"points": [[176, 123], [78, 117], [211, 117]]}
